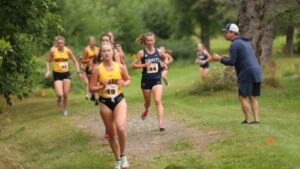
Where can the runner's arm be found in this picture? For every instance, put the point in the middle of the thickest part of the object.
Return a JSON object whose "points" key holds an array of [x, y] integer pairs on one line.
{"points": [[84, 58], [209, 57], [196, 59], [125, 76], [49, 59], [170, 58], [135, 63], [74, 61], [94, 87]]}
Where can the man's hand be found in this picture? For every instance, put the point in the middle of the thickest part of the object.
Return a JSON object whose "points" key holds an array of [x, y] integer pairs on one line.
{"points": [[216, 57]]}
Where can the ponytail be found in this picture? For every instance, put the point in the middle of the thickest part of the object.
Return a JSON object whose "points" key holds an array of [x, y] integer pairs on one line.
{"points": [[142, 38]]}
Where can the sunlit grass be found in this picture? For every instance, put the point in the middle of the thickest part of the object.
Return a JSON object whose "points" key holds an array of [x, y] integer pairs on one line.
{"points": [[35, 135]]}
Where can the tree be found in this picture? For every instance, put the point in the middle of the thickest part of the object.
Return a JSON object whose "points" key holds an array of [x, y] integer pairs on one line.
{"points": [[287, 16], [209, 15], [23, 24], [255, 25], [157, 18]]}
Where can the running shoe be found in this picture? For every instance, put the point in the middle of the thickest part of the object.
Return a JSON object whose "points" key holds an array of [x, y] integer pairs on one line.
{"points": [[245, 122], [118, 164], [144, 115], [124, 162], [65, 113], [161, 127], [96, 102], [58, 102]]}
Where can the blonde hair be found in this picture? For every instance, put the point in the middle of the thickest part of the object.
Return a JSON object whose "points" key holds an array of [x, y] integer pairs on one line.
{"points": [[168, 51], [142, 38], [91, 38], [59, 38]]}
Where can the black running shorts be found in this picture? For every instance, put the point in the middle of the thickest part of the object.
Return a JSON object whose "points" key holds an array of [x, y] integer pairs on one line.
{"points": [[149, 83], [111, 103], [61, 76]]}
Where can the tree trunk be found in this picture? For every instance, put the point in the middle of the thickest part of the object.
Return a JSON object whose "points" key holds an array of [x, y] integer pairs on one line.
{"points": [[255, 26], [289, 40], [205, 36]]}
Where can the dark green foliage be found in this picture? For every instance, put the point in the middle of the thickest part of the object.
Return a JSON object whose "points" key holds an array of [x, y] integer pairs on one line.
{"points": [[157, 19], [23, 25], [206, 14], [181, 48]]}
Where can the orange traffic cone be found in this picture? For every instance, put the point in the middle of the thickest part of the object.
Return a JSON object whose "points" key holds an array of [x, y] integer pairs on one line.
{"points": [[270, 141]]}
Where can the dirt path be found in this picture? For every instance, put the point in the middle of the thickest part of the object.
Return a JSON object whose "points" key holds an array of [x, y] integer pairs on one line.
{"points": [[145, 142]]}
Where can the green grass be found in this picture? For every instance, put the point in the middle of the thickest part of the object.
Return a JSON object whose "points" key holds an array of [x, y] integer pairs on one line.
{"points": [[36, 135]]}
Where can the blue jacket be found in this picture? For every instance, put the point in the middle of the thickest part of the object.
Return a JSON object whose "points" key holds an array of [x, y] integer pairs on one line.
{"points": [[242, 57]]}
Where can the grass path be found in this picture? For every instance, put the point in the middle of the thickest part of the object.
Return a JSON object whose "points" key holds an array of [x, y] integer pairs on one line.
{"points": [[203, 130]]}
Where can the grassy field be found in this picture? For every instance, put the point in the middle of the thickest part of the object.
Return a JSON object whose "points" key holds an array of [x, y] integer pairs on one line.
{"points": [[34, 134]]}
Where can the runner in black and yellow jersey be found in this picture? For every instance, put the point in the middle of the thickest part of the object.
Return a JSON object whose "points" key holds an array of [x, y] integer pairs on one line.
{"points": [[89, 54], [108, 79], [119, 53], [59, 56], [151, 75]]}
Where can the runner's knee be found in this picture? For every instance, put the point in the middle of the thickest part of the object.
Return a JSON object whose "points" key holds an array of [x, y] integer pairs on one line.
{"points": [[59, 95], [157, 102]]}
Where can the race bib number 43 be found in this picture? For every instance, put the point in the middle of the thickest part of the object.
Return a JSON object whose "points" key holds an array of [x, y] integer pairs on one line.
{"points": [[63, 65], [153, 68], [111, 90]]}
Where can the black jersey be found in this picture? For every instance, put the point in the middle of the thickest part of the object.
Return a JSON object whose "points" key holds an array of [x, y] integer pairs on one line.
{"points": [[154, 71], [202, 57]]}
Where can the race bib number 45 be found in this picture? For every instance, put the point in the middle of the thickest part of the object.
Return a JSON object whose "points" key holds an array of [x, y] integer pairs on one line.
{"points": [[63, 65], [153, 68], [111, 90]]}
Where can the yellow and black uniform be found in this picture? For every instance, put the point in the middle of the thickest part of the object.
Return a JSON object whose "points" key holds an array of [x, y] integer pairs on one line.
{"points": [[112, 94], [91, 55], [60, 64]]}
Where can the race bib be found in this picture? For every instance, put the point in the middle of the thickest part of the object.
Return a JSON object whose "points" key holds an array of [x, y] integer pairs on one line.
{"points": [[153, 68], [111, 90], [63, 65], [201, 57]]}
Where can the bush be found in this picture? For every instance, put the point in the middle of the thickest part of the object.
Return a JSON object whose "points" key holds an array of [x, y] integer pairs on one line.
{"points": [[271, 78], [181, 48], [220, 78]]}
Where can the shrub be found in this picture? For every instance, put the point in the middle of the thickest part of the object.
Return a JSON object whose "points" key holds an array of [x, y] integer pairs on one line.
{"points": [[181, 48], [220, 78], [271, 78]]}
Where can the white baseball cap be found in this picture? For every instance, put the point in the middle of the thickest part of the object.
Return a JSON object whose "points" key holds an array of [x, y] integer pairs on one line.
{"points": [[231, 27]]}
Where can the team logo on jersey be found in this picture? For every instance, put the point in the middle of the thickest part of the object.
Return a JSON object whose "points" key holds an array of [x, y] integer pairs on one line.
{"points": [[146, 55]]}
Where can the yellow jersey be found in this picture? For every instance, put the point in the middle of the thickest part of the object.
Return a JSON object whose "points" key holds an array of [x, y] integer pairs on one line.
{"points": [[112, 89], [60, 60], [91, 53]]}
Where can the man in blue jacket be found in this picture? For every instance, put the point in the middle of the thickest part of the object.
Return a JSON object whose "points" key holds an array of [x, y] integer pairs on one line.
{"points": [[248, 71]]}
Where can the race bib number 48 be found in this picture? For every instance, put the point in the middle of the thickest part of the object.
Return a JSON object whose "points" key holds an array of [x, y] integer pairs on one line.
{"points": [[153, 68], [111, 90], [63, 65]]}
